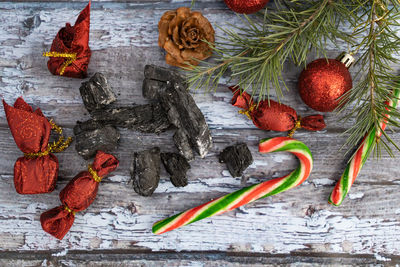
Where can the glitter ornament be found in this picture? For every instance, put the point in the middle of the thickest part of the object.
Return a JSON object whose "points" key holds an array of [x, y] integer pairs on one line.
{"points": [[246, 6], [324, 81]]}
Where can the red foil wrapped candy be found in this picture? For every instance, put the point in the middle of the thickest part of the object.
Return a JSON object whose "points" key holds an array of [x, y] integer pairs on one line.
{"points": [[70, 52], [77, 195], [274, 116], [37, 171]]}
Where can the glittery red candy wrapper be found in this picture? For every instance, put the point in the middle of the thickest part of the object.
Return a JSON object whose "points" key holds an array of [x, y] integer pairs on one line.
{"points": [[77, 195], [37, 171], [72, 41], [274, 116]]}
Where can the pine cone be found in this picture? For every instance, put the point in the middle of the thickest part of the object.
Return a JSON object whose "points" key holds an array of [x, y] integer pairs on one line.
{"points": [[181, 34]]}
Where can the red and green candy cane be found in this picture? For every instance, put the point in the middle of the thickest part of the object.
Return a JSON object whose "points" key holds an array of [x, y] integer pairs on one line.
{"points": [[364, 149], [248, 194]]}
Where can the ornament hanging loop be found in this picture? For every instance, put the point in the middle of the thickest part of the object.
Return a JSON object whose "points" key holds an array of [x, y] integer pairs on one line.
{"points": [[347, 59]]}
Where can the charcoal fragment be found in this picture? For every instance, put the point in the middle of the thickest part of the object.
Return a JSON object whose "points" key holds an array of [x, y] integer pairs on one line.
{"points": [[97, 93], [186, 116], [145, 171], [177, 166], [172, 90], [237, 158], [152, 89], [182, 144], [149, 118], [91, 136], [162, 74]]}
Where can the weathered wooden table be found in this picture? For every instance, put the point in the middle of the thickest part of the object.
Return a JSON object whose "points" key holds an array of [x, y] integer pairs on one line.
{"points": [[298, 226]]}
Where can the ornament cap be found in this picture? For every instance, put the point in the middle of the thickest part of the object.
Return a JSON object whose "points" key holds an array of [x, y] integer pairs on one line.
{"points": [[347, 59]]}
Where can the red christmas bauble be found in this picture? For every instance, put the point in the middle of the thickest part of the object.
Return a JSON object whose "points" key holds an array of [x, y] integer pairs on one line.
{"points": [[246, 6], [323, 82]]}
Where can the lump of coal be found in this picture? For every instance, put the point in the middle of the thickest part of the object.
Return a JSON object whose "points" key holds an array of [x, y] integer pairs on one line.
{"points": [[186, 116], [182, 144], [149, 118], [152, 89], [91, 136], [177, 166], [165, 75], [97, 93], [237, 158], [157, 79], [170, 88], [145, 171]]}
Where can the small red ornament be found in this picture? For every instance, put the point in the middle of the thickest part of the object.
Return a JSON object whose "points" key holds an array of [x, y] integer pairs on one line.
{"points": [[274, 116], [246, 6], [70, 52], [324, 81], [77, 195]]}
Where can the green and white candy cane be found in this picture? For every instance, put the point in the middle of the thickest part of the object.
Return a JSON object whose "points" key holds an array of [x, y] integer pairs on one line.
{"points": [[354, 166], [251, 193]]}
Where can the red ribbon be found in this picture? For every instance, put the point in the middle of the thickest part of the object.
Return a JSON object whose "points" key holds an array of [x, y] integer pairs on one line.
{"points": [[72, 40], [273, 115], [77, 195]]}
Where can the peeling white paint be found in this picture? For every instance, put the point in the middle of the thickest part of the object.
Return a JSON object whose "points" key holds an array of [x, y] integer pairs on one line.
{"points": [[381, 258], [356, 195], [60, 253]]}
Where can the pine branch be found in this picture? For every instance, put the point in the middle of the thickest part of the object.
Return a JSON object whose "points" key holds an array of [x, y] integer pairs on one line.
{"points": [[255, 53], [378, 49]]}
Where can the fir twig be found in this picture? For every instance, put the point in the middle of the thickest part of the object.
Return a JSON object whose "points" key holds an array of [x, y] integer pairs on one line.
{"points": [[255, 53], [379, 44]]}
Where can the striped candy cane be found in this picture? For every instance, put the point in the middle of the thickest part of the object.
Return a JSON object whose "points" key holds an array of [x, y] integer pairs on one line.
{"points": [[353, 168], [251, 193]]}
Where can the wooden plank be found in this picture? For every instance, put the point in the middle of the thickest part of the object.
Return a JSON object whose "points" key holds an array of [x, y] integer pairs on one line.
{"points": [[295, 221], [195, 258], [329, 162]]}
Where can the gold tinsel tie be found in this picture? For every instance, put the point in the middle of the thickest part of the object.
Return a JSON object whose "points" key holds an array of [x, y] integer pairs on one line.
{"points": [[296, 126], [70, 57], [248, 112], [69, 210], [55, 147], [94, 174]]}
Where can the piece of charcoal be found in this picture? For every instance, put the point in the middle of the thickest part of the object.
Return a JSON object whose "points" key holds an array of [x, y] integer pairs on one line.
{"points": [[182, 144], [186, 116], [91, 136], [145, 171], [97, 93], [182, 109], [177, 166], [157, 79], [162, 74], [149, 118], [237, 158], [152, 88]]}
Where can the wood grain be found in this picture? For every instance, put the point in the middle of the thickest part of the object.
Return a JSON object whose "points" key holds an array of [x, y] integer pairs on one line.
{"points": [[297, 227]]}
